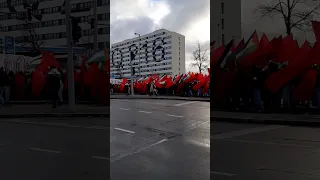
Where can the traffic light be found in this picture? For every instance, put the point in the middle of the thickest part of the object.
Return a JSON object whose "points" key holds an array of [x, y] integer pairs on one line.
{"points": [[93, 23], [29, 14], [76, 29]]}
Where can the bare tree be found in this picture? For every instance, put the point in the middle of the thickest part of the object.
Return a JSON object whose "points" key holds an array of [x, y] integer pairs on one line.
{"points": [[200, 58], [32, 39], [296, 14]]}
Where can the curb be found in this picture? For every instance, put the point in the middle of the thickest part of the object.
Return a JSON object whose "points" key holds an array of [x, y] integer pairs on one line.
{"points": [[50, 115], [45, 102], [273, 121], [163, 98]]}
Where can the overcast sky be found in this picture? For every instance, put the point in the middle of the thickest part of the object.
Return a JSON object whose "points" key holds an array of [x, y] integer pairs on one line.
{"points": [[190, 18]]}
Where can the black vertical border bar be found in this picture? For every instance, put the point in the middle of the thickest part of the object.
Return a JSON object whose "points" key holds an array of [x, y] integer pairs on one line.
{"points": [[107, 47], [212, 40]]}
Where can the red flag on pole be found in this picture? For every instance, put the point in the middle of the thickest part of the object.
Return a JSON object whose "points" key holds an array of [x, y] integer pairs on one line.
{"points": [[316, 29]]}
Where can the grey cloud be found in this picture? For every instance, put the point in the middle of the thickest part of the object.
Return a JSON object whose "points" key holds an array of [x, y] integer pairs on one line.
{"points": [[125, 29], [185, 13]]}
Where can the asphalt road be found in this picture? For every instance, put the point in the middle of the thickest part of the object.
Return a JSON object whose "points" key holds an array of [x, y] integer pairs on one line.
{"points": [[264, 152], [156, 139], [149, 139], [160, 139]]}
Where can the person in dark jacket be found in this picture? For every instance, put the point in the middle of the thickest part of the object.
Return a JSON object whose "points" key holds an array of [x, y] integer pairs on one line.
{"points": [[8, 81], [257, 82], [54, 80], [2, 75]]}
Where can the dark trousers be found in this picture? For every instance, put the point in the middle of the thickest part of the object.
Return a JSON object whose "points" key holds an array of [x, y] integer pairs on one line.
{"points": [[54, 96]]}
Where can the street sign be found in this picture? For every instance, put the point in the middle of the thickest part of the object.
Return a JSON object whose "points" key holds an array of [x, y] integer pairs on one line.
{"points": [[9, 45]]}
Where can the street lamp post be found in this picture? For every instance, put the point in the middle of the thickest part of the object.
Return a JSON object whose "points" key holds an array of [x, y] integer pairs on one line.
{"points": [[218, 34], [71, 96], [139, 53]]}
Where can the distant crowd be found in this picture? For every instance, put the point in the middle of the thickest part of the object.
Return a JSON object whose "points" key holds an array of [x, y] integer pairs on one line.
{"points": [[187, 90]]}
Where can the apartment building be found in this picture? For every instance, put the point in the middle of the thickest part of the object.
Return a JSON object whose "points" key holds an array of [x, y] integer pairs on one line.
{"points": [[160, 52]]}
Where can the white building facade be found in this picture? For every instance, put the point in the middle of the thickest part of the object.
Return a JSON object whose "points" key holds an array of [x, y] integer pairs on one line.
{"points": [[225, 17], [51, 30], [161, 52]]}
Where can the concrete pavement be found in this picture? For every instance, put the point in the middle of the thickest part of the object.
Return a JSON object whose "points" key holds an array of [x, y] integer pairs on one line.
{"points": [[264, 152]]}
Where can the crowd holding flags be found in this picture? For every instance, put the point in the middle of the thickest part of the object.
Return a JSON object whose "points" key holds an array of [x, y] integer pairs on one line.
{"points": [[260, 74], [92, 80], [190, 84]]}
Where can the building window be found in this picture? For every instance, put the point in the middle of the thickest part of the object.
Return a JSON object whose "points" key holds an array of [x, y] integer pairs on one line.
{"points": [[222, 37], [222, 23], [222, 8]]}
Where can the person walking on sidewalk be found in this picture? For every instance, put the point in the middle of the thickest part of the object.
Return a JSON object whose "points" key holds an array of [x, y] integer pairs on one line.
{"points": [[54, 80], [8, 81]]}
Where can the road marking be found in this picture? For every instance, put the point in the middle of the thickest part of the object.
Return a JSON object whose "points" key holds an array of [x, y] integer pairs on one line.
{"points": [[101, 158], [267, 143], [174, 115], [124, 109], [145, 112], [185, 103], [19, 121], [196, 125], [54, 124], [245, 132], [222, 173], [138, 151], [124, 130], [45, 150]]}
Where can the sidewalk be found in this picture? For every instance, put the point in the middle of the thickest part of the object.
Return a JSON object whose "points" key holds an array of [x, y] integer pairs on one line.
{"points": [[45, 111], [123, 96], [260, 118]]}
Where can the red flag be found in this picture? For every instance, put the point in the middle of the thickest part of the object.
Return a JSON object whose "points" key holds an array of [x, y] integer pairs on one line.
{"points": [[288, 46], [305, 89], [169, 83], [299, 65], [306, 44], [48, 59], [276, 45], [202, 83], [316, 29], [216, 54], [206, 88], [123, 83]]}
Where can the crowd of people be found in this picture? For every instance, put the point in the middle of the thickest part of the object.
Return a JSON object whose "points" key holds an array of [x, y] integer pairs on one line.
{"points": [[187, 85], [274, 75]]}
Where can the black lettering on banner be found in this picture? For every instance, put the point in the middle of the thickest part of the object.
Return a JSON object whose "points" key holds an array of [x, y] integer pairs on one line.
{"points": [[156, 48], [133, 49], [145, 47], [119, 64]]}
